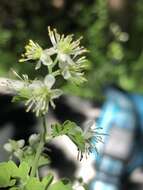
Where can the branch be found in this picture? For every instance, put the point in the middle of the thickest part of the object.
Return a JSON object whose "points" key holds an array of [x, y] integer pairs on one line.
{"points": [[8, 86]]}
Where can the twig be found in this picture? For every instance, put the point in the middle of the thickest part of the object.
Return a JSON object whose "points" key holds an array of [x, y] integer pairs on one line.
{"points": [[8, 86]]}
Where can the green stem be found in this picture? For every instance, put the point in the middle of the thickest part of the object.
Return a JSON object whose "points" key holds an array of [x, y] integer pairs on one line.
{"points": [[56, 73], [39, 150], [55, 61], [49, 69]]}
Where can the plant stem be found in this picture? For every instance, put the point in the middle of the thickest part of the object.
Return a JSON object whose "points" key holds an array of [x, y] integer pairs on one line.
{"points": [[55, 61], [56, 73], [39, 149], [50, 69]]}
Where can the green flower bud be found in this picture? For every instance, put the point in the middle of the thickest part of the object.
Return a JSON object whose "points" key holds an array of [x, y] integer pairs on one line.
{"points": [[33, 139]]}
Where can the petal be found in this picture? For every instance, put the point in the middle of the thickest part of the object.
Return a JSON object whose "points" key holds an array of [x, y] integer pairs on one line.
{"points": [[56, 93], [52, 104], [21, 143], [62, 57], [69, 60], [50, 51], [89, 125], [46, 59], [35, 84], [66, 74], [63, 65], [38, 65], [8, 147], [49, 81]]}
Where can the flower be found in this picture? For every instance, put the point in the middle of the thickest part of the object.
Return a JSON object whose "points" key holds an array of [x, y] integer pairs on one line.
{"points": [[45, 59], [65, 47], [69, 52], [91, 135], [74, 72], [15, 148], [67, 55], [41, 94], [13, 145], [35, 52], [37, 94]]}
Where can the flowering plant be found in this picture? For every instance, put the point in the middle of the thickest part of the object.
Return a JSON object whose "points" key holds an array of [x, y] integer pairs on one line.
{"points": [[65, 59]]}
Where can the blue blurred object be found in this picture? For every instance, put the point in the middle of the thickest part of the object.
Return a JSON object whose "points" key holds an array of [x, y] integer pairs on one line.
{"points": [[122, 152]]}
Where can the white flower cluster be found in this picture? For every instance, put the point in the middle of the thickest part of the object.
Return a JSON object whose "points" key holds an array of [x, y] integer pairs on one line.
{"points": [[42, 94], [63, 58], [38, 94], [69, 56]]}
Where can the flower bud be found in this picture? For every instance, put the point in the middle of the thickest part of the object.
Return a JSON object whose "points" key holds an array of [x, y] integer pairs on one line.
{"points": [[34, 138]]}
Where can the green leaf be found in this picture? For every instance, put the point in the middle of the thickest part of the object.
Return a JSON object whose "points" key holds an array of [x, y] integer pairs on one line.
{"points": [[12, 182], [7, 170], [61, 185], [47, 181], [78, 140], [23, 171], [16, 188], [9, 173], [34, 184], [4, 175], [62, 129], [12, 167], [73, 131]]}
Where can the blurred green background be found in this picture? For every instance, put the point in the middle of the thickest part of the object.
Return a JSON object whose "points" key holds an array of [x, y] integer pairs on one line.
{"points": [[112, 31]]}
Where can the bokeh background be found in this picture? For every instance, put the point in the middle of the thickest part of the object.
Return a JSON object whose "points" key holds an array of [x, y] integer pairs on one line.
{"points": [[112, 31]]}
